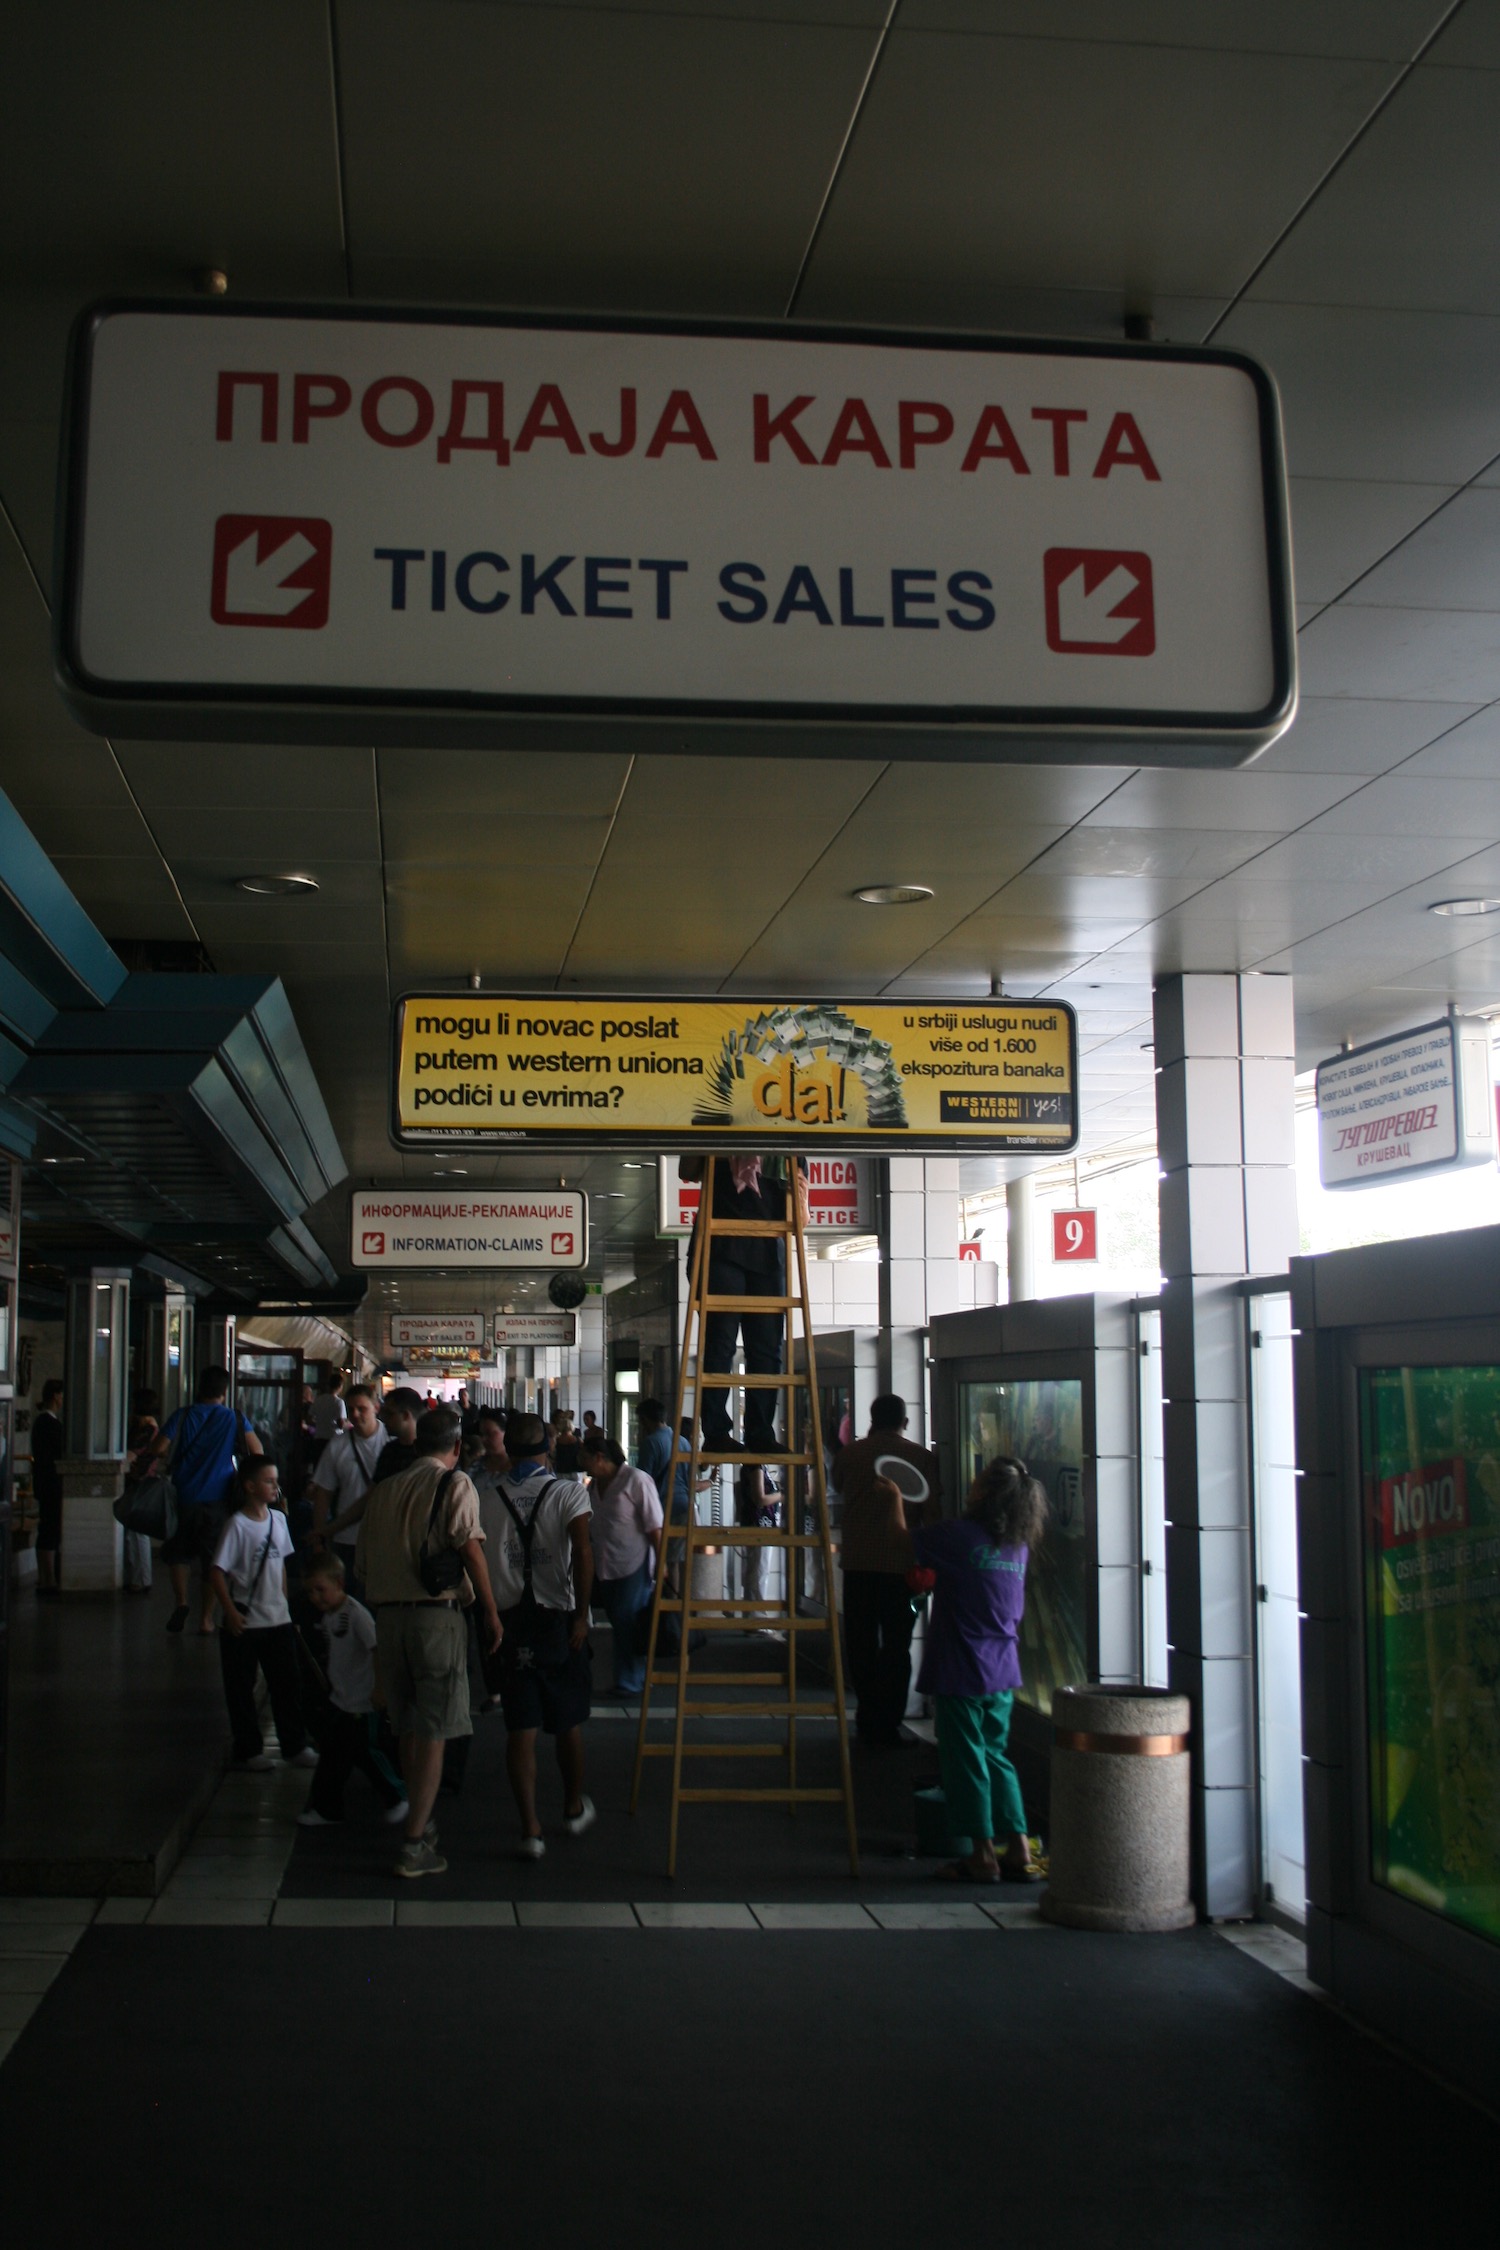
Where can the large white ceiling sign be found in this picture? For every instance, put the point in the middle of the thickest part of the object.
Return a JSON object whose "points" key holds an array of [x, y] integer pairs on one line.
{"points": [[1418, 1101], [443, 1229], [342, 525]]}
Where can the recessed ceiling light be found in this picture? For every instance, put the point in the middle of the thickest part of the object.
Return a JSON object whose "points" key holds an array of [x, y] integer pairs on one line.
{"points": [[275, 886], [894, 894], [1465, 906]]}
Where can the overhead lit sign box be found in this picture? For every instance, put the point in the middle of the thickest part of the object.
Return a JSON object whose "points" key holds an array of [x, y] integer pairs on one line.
{"points": [[1422, 1101], [437, 1331], [342, 525], [839, 1199], [579, 1071], [434, 1229], [536, 1329]]}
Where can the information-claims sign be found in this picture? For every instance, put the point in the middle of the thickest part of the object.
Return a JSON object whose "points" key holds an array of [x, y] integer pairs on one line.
{"points": [[324, 524], [434, 1229], [577, 1070], [1420, 1101]]}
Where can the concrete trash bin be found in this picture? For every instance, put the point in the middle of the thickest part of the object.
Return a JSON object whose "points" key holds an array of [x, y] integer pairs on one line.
{"points": [[1118, 1844]]}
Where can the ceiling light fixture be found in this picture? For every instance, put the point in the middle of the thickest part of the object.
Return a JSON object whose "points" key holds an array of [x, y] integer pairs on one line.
{"points": [[1465, 906], [275, 886], [894, 894]]}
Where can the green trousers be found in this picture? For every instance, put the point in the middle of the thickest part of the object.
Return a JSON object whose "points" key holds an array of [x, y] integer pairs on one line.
{"points": [[980, 1789]]}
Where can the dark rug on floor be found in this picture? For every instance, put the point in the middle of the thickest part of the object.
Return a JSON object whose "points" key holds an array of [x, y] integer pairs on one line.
{"points": [[396, 2087]]}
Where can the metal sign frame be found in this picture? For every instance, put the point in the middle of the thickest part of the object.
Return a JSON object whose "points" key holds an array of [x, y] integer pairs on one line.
{"points": [[250, 712]]}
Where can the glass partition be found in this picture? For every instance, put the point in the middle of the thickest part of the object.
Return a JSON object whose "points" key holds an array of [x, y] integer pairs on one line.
{"points": [[1040, 1423], [1430, 1483]]}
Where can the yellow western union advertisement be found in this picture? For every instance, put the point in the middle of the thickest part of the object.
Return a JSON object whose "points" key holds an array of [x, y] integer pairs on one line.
{"points": [[574, 1071]]}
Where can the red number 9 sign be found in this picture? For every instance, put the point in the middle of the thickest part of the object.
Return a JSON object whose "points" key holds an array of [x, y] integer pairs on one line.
{"points": [[1075, 1237]]}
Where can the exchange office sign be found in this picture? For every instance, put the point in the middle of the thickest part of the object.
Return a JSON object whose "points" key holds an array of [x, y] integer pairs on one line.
{"points": [[361, 513], [422, 1229], [1422, 1101], [577, 1071]]}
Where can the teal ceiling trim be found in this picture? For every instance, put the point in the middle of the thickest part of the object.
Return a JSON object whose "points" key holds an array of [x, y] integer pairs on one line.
{"points": [[17, 1130], [296, 1248], [24, 1012], [44, 932]]}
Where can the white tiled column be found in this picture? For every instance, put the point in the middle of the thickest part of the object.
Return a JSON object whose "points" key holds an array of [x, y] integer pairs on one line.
{"points": [[1224, 1106], [919, 1271]]}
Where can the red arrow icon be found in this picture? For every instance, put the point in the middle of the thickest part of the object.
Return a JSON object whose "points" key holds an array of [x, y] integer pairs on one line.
{"points": [[272, 570], [1099, 601]]}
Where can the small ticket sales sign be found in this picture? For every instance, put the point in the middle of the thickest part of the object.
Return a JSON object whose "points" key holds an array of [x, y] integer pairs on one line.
{"points": [[1420, 1101], [578, 1071], [327, 524], [437, 1331], [433, 1229], [839, 1197]]}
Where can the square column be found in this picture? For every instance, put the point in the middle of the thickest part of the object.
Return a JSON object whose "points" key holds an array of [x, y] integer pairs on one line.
{"points": [[919, 1229], [1224, 1108]]}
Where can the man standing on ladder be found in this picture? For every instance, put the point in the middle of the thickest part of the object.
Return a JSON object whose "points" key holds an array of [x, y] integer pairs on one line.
{"points": [[745, 1187]]}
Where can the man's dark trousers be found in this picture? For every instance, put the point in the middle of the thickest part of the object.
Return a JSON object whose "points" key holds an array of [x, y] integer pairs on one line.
{"points": [[763, 1334], [879, 1614]]}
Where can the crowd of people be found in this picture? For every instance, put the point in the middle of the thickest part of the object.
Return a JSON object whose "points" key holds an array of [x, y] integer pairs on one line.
{"points": [[454, 1556]]}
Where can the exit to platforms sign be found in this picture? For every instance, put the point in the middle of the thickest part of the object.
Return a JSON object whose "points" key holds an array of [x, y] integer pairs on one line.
{"points": [[341, 524]]}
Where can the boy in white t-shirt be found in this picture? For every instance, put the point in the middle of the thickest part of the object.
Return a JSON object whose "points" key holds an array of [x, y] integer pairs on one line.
{"points": [[248, 1580], [348, 1731]]}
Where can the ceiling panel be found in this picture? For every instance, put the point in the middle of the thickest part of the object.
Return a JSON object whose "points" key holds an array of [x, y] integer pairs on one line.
{"points": [[1392, 29], [1410, 218], [166, 148], [1451, 562], [696, 190], [702, 856], [1250, 799], [1388, 396], [1429, 654], [1342, 526], [1357, 735], [1033, 176], [312, 786], [451, 922], [1469, 751]]}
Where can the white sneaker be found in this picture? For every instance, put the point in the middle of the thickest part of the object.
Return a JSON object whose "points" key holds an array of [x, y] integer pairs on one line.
{"points": [[307, 1757], [261, 1763], [582, 1819], [395, 1813], [310, 1819], [531, 1847]]}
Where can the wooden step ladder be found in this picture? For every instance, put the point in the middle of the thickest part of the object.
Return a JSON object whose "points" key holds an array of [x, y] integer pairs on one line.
{"points": [[682, 1543]]}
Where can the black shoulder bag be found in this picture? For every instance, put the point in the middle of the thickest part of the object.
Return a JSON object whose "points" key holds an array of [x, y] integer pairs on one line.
{"points": [[441, 1573], [535, 1639]]}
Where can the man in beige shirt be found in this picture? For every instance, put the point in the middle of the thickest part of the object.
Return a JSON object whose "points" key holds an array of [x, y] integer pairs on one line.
{"points": [[878, 1608], [421, 1636]]}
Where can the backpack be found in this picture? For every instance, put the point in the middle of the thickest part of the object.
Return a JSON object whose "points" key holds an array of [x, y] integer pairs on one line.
{"points": [[535, 1638]]}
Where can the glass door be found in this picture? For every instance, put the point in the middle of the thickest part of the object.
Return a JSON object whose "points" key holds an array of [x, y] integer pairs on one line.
{"points": [[1040, 1423], [268, 1392], [1278, 1647]]}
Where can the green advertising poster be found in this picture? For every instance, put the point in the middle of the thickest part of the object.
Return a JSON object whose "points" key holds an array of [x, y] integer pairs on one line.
{"points": [[1431, 1470]]}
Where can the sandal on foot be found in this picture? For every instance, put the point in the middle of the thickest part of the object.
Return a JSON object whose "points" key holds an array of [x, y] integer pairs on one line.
{"points": [[959, 1871], [1027, 1874]]}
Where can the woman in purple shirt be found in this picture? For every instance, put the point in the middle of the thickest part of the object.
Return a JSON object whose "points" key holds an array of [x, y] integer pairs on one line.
{"points": [[971, 1667]]}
